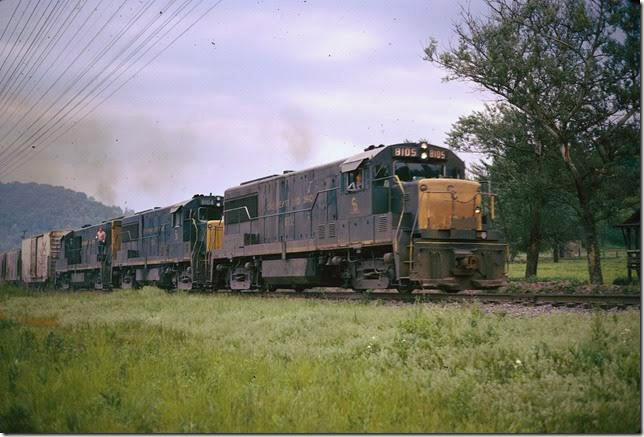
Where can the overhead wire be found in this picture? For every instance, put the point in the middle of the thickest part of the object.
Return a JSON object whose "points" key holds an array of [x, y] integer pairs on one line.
{"points": [[17, 40], [25, 159], [172, 16], [21, 65], [39, 55], [12, 45], [50, 49], [61, 75], [9, 23], [96, 58]]}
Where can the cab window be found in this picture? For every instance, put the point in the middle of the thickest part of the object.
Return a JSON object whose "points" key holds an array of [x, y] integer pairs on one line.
{"points": [[413, 171], [354, 180], [381, 176], [208, 213]]}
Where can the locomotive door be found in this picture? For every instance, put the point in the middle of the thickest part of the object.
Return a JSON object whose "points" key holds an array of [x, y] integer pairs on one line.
{"points": [[355, 204], [331, 199], [381, 187]]}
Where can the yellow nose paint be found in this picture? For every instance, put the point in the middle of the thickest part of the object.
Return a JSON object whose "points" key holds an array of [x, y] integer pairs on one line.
{"points": [[445, 204]]}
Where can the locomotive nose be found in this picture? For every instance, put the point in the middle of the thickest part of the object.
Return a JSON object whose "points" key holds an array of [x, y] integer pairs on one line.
{"points": [[445, 204]]}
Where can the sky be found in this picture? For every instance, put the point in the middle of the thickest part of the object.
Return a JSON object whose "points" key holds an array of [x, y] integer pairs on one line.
{"points": [[254, 88]]}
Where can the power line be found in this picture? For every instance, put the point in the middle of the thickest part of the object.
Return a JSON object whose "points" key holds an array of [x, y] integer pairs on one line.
{"points": [[38, 55], [28, 142], [25, 159], [18, 39], [57, 80], [96, 58], [50, 49], [5, 89]]}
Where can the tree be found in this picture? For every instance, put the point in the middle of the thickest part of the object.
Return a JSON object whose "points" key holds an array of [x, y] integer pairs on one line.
{"points": [[525, 177], [573, 68]]}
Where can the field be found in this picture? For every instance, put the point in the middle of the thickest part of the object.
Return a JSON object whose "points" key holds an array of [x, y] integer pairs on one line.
{"points": [[613, 266], [147, 361]]}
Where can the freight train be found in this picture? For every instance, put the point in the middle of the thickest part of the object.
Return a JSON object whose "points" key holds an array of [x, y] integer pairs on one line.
{"points": [[400, 216]]}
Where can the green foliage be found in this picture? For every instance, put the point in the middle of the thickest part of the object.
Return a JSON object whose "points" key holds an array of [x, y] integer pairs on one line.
{"points": [[146, 361], [572, 69], [534, 208], [37, 208]]}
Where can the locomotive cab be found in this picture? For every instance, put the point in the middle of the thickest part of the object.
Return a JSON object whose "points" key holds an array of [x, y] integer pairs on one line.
{"points": [[450, 242], [440, 224]]}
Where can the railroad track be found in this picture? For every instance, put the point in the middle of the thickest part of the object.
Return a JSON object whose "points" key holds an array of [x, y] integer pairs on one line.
{"points": [[605, 301]]}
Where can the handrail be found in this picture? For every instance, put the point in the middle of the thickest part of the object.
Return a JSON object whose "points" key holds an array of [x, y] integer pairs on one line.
{"points": [[402, 212]]}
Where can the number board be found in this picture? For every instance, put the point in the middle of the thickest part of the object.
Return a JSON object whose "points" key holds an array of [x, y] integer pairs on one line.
{"points": [[207, 201], [413, 152]]}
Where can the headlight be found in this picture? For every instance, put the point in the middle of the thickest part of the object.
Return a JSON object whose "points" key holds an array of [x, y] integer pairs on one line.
{"points": [[423, 155], [423, 146], [477, 210], [423, 187], [484, 235]]}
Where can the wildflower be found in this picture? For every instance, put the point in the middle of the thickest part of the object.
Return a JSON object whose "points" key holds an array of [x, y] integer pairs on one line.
{"points": [[518, 362]]}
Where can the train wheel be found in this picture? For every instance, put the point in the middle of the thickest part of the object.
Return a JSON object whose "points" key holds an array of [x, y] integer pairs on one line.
{"points": [[405, 289]]}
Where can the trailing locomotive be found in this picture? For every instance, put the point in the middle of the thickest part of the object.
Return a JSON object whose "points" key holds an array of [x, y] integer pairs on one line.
{"points": [[398, 216], [162, 246]]}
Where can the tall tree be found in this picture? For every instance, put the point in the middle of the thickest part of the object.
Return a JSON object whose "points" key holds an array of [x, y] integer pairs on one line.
{"points": [[524, 174], [573, 67]]}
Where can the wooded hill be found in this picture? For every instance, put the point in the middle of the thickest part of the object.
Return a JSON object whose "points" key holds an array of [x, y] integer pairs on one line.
{"points": [[37, 208]]}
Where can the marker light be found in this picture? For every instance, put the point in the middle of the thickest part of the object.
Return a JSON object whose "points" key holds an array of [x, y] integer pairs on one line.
{"points": [[484, 235], [423, 155]]}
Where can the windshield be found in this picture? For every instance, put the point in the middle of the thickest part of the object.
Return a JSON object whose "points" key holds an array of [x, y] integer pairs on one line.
{"points": [[413, 171], [209, 213]]}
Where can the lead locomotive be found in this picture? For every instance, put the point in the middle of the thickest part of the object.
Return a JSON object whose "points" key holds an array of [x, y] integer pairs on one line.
{"points": [[398, 216]]}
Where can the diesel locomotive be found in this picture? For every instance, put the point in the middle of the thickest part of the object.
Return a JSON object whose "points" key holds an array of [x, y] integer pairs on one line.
{"points": [[399, 216], [161, 246]]}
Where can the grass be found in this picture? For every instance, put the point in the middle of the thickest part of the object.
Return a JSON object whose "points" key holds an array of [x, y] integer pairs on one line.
{"points": [[574, 269], [145, 361]]}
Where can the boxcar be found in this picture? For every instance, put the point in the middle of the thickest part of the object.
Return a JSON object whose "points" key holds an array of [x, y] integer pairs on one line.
{"points": [[3, 267], [12, 272], [39, 256]]}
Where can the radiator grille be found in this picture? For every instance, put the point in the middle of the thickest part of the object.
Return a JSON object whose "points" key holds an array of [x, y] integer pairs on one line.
{"points": [[331, 230], [321, 232], [382, 225]]}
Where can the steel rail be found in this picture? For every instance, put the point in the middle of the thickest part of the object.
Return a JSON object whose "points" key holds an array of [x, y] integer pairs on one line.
{"points": [[533, 299]]}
